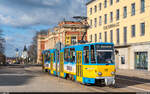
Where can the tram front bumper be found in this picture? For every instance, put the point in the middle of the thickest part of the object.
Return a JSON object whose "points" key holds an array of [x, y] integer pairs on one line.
{"points": [[107, 80]]}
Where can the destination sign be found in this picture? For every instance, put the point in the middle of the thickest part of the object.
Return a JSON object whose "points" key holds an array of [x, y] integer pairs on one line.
{"points": [[104, 47]]}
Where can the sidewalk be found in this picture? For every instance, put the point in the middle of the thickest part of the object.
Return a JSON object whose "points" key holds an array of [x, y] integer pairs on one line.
{"points": [[134, 73]]}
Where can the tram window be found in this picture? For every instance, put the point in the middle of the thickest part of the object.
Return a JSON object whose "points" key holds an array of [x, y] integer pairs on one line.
{"points": [[44, 56], [86, 54], [54, 57], [58, 56], [47, 56], [72, 54], [67, 56], [104, 57], [93, 60]]}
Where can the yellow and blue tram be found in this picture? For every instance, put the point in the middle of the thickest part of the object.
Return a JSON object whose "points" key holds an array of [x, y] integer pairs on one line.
{"points": [[87, 63]]}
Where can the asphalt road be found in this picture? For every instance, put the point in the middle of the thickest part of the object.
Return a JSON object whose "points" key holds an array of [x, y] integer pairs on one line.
{"points": [[32, 79]]}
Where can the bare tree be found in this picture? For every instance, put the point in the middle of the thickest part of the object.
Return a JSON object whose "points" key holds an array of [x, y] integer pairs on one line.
{"points": [[32, 51]]}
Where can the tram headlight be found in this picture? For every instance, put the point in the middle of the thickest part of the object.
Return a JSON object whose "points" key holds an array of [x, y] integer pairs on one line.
{"points": [[99, 73], [113, 73]]}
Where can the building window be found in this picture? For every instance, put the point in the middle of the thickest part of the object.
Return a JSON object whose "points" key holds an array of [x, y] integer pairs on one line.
{"points": [[133, 30], [142, 29], [117, 0], [100, 6], [95, 37], [100, 20], [141, 60], [91, 38], [105, 19], [95, 20], [142, 6], [125, 12], [105, 3], [118, 36], [111, 2], [122, 60], [90, 11], [91, 22], [105, 36], [111, 36], [133, 9], [117, 14], [95, 8], [111, 16], [73, 40], [100, 37], [125, 35]]}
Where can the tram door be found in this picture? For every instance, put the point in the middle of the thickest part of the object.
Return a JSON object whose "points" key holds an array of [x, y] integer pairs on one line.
{"points": [[52, 60], [61, 66], [79, 69], [57, 62]]}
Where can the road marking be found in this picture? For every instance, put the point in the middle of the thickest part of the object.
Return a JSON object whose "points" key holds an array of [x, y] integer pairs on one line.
{"points": [[133, 81]]}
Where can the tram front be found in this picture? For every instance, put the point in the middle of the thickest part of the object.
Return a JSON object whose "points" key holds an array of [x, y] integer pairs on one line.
{"points": [[105, 72]]}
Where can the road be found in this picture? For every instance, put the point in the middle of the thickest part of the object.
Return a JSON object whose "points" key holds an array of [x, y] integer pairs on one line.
{"points": [[32, 79]]}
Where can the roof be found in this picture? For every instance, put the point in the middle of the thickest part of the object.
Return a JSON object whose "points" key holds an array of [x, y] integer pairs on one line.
{"points": [[89, 44], [90, 2]]}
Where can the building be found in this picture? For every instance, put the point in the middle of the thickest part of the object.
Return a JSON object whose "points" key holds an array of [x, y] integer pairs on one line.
{"points": [[66, 33], [41, 40], [126, 24], [70, 32]]}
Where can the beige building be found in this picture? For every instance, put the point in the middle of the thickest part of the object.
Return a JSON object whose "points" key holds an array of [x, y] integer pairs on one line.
{"points": [[66, 32], [125, 23], [41, 39]]}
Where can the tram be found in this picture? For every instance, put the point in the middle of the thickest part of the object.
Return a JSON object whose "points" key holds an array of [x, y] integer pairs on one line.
{"points": [[87, 63]]}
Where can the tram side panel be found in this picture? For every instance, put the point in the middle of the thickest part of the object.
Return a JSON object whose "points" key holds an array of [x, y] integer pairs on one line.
{"points": [[69, 63]]}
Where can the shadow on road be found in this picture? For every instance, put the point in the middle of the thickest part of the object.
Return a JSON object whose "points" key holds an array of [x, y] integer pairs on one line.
{"points": [[16, 75], [14, 80], [125, 81]]}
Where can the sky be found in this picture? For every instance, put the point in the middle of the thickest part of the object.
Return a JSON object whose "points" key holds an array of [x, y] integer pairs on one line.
{"points": [[21, 19]]}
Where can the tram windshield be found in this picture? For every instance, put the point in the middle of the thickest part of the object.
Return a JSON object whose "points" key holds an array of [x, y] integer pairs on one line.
{"points": [[104, 57], [104, 54]]}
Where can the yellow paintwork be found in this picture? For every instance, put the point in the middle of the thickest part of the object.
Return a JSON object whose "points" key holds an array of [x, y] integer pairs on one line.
{"points": [[124, 22], [91, 71]]}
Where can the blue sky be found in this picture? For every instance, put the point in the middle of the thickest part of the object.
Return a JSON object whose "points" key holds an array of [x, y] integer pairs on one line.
{"points": [[20, 19]]}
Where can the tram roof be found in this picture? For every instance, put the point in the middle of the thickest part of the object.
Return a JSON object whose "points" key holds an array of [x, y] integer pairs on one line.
{"points": [[89, 44]]}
